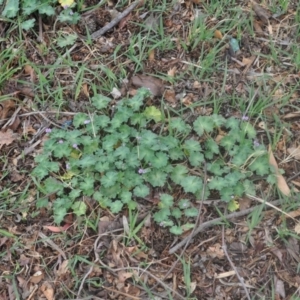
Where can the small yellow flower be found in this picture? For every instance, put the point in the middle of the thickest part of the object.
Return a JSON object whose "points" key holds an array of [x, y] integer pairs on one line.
{"points": [[66, 3]]}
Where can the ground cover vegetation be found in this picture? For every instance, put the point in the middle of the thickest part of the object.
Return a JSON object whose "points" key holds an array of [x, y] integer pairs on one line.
{"points": [[149, 150]]}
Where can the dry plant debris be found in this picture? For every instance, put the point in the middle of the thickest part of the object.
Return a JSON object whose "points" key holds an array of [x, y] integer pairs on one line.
{"points": [[185, 53]]}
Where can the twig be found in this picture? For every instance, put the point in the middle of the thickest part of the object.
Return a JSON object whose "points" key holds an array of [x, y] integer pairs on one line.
{"points": [[164, 285], [293, 177], [272, 206], [84, 279], [40, 37], [236, 284], [49, 121], [121, 293], [40, 131], [48, 112], [213, 222], [52, 244], [96, 260], [12, 119], [29, 149], [115, 21], [33, 292], [92, 297], [113, 271], [241, 280]]}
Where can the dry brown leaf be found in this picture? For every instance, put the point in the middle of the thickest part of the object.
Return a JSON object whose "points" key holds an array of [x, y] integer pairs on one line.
{"points": [[124, 21], [3, 241], [116, 93], [172, 71], [224, 274], [292, 115], [238, 247], [240, 88], [15, 176], [279, 287], [27, 128], [294, 152], [47, 290], [106, 225], [295, 213], [28, 70], [155, 85], [296, 183], [244, 203], [218, 138], [257, 27], [261, 12], [24, 260], [27, 91], [132, 290], [281, 183], [85, 89], [36, 277], [151, 55], [262, 125], [270, 29], [218, 34], [125, 225], [63, 268], [281, 78], [168, 23], [281, 145], [116, 253], [277, 252], [293, 248], [5, 107], [248, 60], [197, 85], [15, 124], [170, 96], [220, 135], [57, 228], [297, 228], [188, 99], [22, 282], [237, 61], [122, 276], [215, 251], [14, 230], [278, 94], [7, 137]]}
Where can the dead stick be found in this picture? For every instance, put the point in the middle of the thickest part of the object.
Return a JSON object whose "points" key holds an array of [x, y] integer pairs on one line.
{"points": [[47, 240], [213, 222], [241, 279], [115, 21]]}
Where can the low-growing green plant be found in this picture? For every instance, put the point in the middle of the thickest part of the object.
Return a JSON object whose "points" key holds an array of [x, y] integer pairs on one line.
{"points": [[186, 265], [118, 159], [26, 8]]}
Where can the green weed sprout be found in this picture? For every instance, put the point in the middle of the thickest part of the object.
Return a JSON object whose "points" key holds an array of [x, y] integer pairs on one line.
{"points": [[25, 9]]}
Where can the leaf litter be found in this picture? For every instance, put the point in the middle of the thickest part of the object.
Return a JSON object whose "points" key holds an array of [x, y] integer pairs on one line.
{"points": [[250, 245]]}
